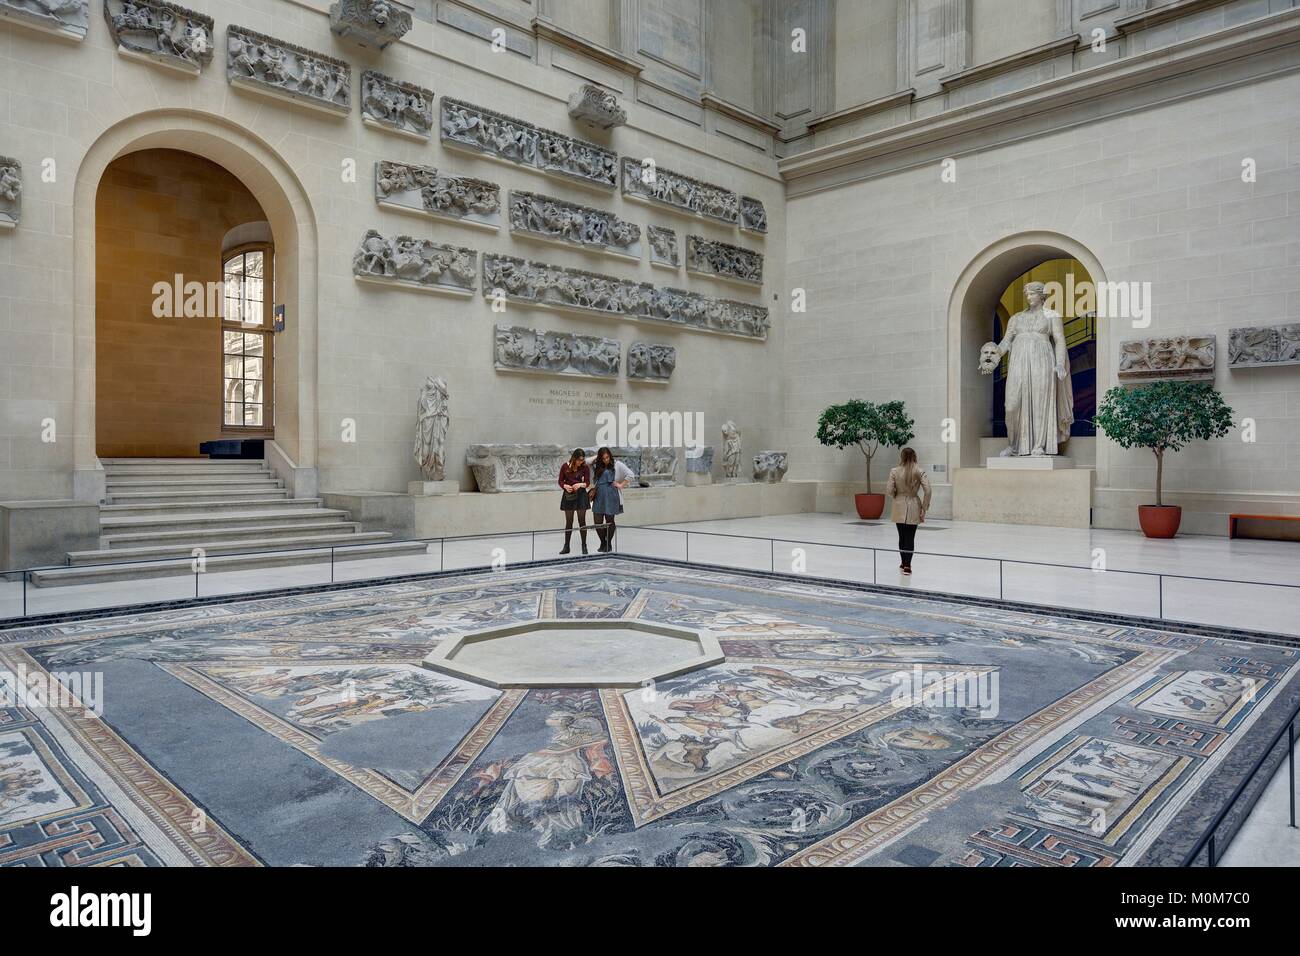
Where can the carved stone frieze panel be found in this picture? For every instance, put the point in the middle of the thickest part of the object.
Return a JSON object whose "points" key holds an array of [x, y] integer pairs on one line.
{"points": [[770, 466], [65, 18], [663, 247], [1258, 346], [11, 192], [265, 65], [596, 106], [753, 215], [555, 353], [701, 464], [396, 106], [558, 220], [650, 362], [1188, 358], [721, 259], [653, 183], [162, 32], [422, 189], [575, 290], [415, 263], [493, 134], [658, 467], [515, 467], [370, 23]]}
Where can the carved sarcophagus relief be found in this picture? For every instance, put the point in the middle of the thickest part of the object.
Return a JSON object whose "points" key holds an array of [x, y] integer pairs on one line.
{"points": [[516, 467]]}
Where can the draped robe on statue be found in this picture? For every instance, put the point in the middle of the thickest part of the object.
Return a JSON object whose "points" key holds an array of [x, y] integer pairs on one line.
{"points": [[1039, 406]]}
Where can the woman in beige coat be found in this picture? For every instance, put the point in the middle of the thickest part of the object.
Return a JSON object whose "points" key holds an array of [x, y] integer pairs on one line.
{"points": [[909, 486]]}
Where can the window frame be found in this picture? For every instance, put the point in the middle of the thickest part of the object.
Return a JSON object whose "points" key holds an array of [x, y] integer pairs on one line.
{"points": [[266, 330]]}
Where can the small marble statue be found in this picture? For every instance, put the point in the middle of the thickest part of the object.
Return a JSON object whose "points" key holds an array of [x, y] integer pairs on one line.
{"points": [[431, 423], [730, 450], [1040, 399]]}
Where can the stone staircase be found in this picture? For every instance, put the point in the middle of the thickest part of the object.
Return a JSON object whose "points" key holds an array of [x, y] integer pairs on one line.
{"points": [[158, 510]]}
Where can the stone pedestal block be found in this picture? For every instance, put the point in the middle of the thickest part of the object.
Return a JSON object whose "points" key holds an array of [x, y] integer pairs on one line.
{"points": [[1057, 498], [41, 533], [694, 479], [1030, 463], [425, 488]]}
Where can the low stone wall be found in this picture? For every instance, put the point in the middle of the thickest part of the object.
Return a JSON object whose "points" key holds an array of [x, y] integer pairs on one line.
{"points": [[41, 533]]}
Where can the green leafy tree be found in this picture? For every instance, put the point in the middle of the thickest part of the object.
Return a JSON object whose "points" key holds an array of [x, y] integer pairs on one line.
{"points": [[1163, 416], [866, 425]]}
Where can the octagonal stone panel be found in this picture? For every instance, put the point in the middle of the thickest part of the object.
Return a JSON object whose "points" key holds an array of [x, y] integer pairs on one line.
{"points": [[593, 652]]}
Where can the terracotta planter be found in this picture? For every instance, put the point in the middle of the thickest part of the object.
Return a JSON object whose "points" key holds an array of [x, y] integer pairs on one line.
{"points": [[870, 507], [1160, 521]]}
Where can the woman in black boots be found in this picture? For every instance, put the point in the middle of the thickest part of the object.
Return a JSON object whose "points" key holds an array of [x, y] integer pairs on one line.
{"points": [[575, 480]]}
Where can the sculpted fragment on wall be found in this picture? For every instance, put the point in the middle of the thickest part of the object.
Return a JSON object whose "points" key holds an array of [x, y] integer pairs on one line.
{"points": [[11, 192], [423, 189], [396, 105], [515, 467], [650, 362], [753, 215], [560, 221], [573, 289], [710, 257], [370, 23], [415, 263], [596, 106], [515, 141], [556, 353], [771, 466], [67, 18], [663, 246], [264, 64], [1256, 346], [162, 32], [1188, 358], [653, 183]]}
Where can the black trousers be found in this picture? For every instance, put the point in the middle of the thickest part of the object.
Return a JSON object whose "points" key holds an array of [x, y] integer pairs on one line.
{"points": [[906, 543]]}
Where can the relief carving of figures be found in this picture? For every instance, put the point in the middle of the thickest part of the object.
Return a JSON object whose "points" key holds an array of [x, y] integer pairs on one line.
{"points": [[653, 362], [723, 259], [770, 466], [11, 192], [1182, 357], [597, 106], [396, 105], [730, 450], [431, 423], [663, 186], [658, 467], [70, 18], [276, 66], [753, 214], [663, 246], [577, 225], [515, 467], [1264, 345], [556, 353], [423, 188], [515, 141], [419, 262], [370, 23], [161, 31]]}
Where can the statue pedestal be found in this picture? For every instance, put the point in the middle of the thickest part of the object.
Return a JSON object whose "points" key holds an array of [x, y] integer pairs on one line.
{"points": [[1056, 497], [424, 489], [735, 481], [1030, 463], [695, 479]]}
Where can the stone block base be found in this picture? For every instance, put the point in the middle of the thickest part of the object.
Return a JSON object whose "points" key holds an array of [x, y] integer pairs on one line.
{"points": [[1030, 463], [695, 480], [422, 489], [1057, 498], [37, 534]]}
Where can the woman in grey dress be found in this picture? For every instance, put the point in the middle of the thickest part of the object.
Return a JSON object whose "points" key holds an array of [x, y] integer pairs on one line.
{"points": [[609, 478]]}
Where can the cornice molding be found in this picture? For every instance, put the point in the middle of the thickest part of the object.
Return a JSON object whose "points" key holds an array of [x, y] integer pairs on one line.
{"points": [[1155, 16], [546, 29], [851, 113], [711, 101], [1006, 64]]}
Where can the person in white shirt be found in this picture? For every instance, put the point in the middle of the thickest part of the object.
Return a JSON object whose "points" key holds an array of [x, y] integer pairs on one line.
{"points": [[609, 478]]}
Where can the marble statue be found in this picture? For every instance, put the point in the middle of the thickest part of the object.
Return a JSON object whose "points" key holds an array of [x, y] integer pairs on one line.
{"points": [[1040, 399], [730, 450], [431, 421], [771, 466]]}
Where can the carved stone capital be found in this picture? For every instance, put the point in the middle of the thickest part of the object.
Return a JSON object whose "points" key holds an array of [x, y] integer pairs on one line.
{"points": [[596, 106], [771, 466], [370, 23]]}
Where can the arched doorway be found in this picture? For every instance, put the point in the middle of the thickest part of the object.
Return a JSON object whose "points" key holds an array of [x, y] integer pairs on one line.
{"points": [[979, 297]]}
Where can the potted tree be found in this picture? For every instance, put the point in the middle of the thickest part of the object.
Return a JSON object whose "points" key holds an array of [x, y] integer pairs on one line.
{"points": [[868, 426], [1162, 416]]}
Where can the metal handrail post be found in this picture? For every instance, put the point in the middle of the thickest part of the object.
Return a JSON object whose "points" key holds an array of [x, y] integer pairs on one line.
{"points": [[331, 564], [772, 541], [1290, 756], [25, 574], [1000, 590]]}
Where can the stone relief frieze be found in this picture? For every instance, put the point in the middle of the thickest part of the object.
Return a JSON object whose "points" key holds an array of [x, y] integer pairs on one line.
{"points": [[264, 64], [515, 467], [556, 353], [11, 192], [1188, 358], [515, 141], [655, 184], [1257, 346], [663, 246], [423, 189], [710, 257], [561, 221], [658, 467], [701, 464], [650, 362], [67, 18], [753, 215], [771, 466], [370, 23], [162, 32], [415, 263], [573, 289], [596, 106], [396, 105]]}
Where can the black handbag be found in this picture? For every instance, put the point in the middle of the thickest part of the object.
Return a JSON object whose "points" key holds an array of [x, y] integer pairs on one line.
{"points": [[570, 499]]}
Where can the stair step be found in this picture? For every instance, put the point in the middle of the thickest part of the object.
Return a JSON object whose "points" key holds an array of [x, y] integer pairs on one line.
{"points": [[62, 577], [176, 472], [193, 497], [252, 480], [187, 506], [141, 538], [232, 545], [198, 521]]}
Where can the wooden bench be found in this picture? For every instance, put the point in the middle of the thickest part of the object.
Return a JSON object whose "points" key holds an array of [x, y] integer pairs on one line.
{"points": [[1287, 527]]}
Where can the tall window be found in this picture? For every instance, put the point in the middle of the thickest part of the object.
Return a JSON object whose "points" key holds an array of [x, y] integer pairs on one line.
{"points": [[246, 339]]}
